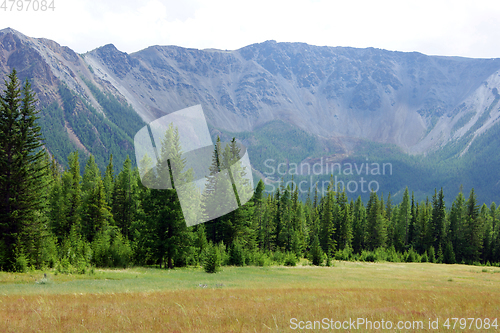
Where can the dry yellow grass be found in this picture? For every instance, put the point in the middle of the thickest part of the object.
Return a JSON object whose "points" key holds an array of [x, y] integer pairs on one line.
{"points": [[260, 300]]}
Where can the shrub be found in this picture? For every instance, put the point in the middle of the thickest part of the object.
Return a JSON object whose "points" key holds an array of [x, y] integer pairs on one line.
{"points": [[324, 259], [190, 257], [338, 255], [440, 256], [111, 249], [121, 253], [63, 266], [236, 254], [261, 259], [346, 254], [381, 254], [411, 256], [101, 253], [49, 251], [278, 257], [211, 260], [75, 254], [431, 255], [290, 259], [329, 262], [368, 256], [297, 244], [316, 252], [21, 263], [80, 266], [224, 255], [393, 255], [449, 254]]}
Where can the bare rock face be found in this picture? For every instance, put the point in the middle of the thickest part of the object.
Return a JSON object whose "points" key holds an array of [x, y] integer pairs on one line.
{"points": [[417, 102], [391, 97], [45, 63], [71, 116]]}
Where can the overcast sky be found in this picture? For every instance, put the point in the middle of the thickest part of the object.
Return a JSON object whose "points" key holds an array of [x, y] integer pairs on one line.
{"points": [[461, 28]]}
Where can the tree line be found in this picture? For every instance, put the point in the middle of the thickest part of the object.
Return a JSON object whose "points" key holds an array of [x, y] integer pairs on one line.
{"points": [[70, 220]]}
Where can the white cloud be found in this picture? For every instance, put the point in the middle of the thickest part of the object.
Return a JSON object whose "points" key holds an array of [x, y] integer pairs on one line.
{"points": [[432, 27]]}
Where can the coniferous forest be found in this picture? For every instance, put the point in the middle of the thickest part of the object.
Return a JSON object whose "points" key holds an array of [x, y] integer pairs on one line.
{"points": [[77, 218]]}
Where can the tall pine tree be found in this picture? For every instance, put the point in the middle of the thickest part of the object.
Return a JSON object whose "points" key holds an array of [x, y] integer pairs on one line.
{"points": [[21, 172]]}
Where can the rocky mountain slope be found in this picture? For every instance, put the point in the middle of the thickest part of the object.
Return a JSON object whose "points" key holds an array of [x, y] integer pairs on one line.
{"points": [[415, 101], [337, 97], [79, 111]]}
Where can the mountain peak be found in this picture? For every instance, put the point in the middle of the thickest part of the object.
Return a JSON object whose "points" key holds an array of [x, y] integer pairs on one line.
{"points": [[13, 32], [109, 47], [10, 30]]}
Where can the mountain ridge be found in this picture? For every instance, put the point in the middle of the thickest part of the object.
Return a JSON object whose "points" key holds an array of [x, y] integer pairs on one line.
{"points": [[341, 96], [256, 87]]}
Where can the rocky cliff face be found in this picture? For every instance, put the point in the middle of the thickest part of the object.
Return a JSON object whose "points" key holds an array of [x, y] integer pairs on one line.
{"points": [[410, 99], [416, 101], [44, 62], [71, 116]]}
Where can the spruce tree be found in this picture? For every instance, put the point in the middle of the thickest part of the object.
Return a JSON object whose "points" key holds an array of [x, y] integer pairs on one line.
{"points": [[285, 236], [375, 231], [259, 204], [359, 226], [21, 173], [316, 253], [343, 221], [96, 214], [449, 254], [488, 243], [124, 198], [404, 218], [108, 182], [56, 206], [163, 215], [241, 217], [90, 180], [413, 222], [71, 188], [494, 219], [388, 209], [427, 229], [91, 174], [495, 216], [327, 231], [457, 226], [212, 258], [474, 230], [438, 219], [218, 197]]}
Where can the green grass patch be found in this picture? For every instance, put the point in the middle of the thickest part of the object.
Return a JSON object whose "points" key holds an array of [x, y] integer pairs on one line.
{"points": [[343, 275]]}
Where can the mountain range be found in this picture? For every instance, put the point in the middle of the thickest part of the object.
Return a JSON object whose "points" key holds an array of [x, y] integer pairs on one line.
{"points": [[435, 119]]}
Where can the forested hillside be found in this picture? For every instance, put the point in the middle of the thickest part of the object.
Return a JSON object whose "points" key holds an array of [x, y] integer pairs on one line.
{"points": [[54, 217], [113, 221], [289, 102], [99, 133]]}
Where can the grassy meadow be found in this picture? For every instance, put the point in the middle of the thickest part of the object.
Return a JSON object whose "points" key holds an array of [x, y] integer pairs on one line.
{"points": [[247, 299]]}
